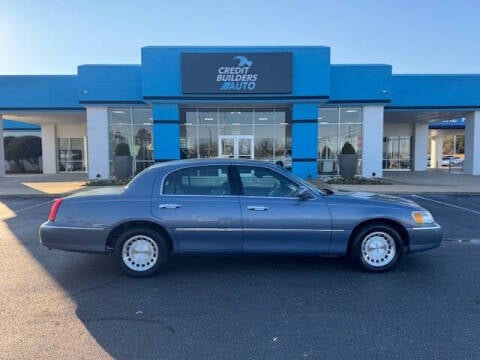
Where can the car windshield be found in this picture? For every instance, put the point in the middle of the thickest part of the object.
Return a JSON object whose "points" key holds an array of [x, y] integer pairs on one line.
{"points": [[323, 189]]}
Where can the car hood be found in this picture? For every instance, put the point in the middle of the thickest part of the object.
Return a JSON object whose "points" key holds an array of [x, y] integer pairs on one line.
{"points": [[372, 198]]}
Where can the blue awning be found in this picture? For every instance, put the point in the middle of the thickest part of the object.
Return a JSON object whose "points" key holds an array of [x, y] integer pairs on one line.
{"points": [[448, 124]]}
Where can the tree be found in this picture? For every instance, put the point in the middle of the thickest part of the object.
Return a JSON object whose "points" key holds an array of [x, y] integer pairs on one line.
{"points": [[24, 148], [448, 144], [460, 144], [7, 140]]}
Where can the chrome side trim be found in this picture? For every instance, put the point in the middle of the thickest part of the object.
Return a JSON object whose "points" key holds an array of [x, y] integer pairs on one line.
{"points": [[426, 228], [209, 229], [72, 227], [294, 230], [255, 229]]}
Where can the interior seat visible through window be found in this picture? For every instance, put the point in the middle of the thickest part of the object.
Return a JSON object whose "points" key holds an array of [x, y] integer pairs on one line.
{"points": [[201, 180]]}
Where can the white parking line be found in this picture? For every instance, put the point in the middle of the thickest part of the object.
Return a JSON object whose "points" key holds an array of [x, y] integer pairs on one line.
{"points": [[448, 204], [462, 240], [33, 206]]}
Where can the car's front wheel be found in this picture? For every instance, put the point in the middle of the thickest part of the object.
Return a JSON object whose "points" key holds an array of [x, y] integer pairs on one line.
{"points": [[377, 248], [140, 252]]}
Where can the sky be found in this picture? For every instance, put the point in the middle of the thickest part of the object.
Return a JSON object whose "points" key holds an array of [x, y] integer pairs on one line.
{"points": [[423, 36]]}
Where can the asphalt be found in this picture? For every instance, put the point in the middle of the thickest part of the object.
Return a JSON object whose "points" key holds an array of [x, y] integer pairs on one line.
{"points": [[435, 181], [59, 305]]}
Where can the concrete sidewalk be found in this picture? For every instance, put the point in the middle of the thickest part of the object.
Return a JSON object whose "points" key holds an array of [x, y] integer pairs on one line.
{"points": [[421, 182], [37, 185]]}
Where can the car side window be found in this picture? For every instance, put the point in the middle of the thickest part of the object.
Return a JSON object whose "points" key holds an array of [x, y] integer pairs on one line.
{"points": [[198, 180], [260, 181]]}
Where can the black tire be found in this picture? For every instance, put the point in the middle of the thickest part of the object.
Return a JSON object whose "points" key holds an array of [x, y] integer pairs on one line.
{"points": [[279, 163], [390, 248], [155, 250]]}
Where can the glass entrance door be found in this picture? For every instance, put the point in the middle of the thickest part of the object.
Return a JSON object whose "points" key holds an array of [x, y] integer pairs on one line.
{"points": [[236, 147], [70, 155], [396, 153]]}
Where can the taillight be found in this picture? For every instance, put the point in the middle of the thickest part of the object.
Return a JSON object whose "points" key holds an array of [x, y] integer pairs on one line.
{"points": [[54, 209]]}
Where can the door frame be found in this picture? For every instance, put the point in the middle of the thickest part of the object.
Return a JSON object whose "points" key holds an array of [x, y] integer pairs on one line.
{"points": [[236, 139]]}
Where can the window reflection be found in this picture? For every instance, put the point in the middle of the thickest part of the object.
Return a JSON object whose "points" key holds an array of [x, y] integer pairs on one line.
{"points": [[70, 154], [236, 117], [208, 141], [132, 126], [335, 127], [188, 141], [396, 153], [264, 142], [201, 129]]}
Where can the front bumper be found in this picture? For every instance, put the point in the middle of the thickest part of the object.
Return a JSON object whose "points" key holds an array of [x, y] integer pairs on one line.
{"points": [[424, 237], [70, 238]]}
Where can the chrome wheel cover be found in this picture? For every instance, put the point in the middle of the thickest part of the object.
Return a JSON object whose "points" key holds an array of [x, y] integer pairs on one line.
{"points": [[378, 249], [140, 253]]}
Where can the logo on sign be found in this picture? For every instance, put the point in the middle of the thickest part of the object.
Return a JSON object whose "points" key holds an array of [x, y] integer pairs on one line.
{"points": [[235, 78]]}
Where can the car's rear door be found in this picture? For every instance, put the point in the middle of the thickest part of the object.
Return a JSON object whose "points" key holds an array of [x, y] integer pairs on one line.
{"points": [[275, 220], [197, 204]]}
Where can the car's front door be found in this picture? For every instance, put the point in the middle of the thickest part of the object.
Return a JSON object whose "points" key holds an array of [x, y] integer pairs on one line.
{"points": [[196, 204], [275, 219]]}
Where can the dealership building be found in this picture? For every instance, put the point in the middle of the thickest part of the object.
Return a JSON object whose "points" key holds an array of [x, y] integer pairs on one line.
{"points": [[287, 105]]}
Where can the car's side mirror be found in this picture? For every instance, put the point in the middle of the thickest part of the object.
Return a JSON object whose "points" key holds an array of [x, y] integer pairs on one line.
{"points": [[303, 193]]}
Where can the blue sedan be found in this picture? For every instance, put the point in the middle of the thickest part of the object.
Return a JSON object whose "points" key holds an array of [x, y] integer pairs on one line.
{"points": [[224, 206]]}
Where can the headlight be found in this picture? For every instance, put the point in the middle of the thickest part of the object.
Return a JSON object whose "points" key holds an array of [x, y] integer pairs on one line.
{"points": [[423, 217]]}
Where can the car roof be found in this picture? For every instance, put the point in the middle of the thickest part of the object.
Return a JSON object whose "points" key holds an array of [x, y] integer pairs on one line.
{"points": [[212, 161], [141, 184]]}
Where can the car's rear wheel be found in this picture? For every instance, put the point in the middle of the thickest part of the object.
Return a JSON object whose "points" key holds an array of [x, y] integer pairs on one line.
{"points": [[377, 248], [140, 252], [279, 163]]}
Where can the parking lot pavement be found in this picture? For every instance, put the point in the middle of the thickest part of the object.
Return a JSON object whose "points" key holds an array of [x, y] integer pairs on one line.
{"points": [[56, 304], [459, 214]]}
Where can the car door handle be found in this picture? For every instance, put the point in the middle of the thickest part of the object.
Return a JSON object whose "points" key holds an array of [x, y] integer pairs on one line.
{"points": [[169, 206], [257, 208]]}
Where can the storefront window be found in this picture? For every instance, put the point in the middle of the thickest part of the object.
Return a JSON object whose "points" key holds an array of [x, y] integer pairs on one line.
{"points": [[264, 142], [235, 133], [336, 126], [207, 141], [70, 154], [132, 126], [396, 153]]}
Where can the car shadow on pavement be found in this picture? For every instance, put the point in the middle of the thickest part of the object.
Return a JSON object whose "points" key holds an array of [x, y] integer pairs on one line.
{"points": [[218, 307]]}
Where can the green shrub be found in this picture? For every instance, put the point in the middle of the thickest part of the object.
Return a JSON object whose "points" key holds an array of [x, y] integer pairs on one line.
{"points": [[357, 180], [122, 149], [348, 149], [112, 181]]}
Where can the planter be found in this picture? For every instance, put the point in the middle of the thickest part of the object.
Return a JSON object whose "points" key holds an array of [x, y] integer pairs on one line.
{"points": [[327, 165], [348, 164], [122, 166]]}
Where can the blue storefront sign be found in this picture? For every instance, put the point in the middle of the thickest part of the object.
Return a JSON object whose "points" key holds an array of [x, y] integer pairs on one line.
{"points": [[237, 73]]}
